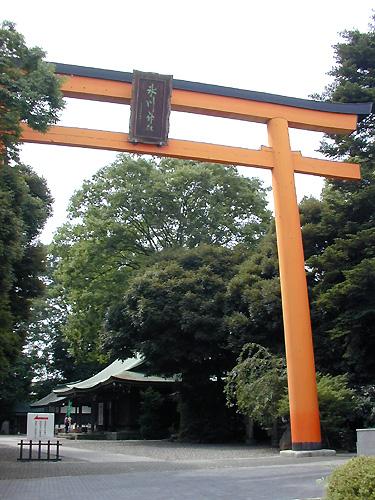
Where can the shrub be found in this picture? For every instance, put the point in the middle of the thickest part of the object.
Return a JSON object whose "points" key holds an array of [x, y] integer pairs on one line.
{"points": [[353, 481], [337, 405], [204, 417], [366, 406], [152, 421], [256, 384]]}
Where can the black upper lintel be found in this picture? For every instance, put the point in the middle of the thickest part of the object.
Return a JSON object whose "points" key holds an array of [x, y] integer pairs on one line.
{"points": [[361, 109]]}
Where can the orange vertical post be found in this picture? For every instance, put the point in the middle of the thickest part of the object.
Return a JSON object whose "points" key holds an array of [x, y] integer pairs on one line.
{"points": [[303, 398]]}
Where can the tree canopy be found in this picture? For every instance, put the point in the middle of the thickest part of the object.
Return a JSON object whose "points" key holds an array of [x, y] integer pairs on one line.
{"points": [[173, 313], [29, 90], [257, 383], [135, 208], [24, 207], [254, 299], [257, 387], [339, 231], [338, 404]]}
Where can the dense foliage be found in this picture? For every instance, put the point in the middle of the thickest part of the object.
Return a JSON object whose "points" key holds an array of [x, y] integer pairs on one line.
{"points": [[24, 208], [29, 90], [130, 211], [254, 300], [339, 231], [354, 480], [25, 204], [257, 387], [337, 405], [46, 348], [156, 415], [173, 313], [256, 384]]}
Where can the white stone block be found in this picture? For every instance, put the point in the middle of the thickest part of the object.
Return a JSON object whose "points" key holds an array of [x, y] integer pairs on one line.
{"points": [[365, 441]]}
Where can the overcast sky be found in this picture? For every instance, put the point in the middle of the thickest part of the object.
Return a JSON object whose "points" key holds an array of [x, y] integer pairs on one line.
{"points": [[281, 47]]}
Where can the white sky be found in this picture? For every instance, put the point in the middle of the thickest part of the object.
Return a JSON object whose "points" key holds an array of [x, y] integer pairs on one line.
{"points": [[281, 47]]}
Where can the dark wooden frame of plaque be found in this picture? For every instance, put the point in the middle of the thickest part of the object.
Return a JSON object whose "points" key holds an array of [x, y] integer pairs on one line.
{"points": [[162, 119]]}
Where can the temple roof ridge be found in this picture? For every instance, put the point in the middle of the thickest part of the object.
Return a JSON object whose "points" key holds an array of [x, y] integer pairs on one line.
{"points": [[113, 370]]}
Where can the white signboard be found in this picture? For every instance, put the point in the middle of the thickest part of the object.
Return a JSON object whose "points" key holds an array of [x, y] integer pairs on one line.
{"points": [[40, 426]]}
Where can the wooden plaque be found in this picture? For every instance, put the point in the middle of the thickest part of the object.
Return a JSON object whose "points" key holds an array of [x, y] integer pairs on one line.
{"points": [[150, 108]]}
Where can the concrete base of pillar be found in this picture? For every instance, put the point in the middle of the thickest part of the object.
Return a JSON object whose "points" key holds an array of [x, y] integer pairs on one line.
{"points": [[308, 453]]}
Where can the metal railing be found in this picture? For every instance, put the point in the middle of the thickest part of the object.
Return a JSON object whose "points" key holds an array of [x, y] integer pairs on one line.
{"points": [[48, 448]]}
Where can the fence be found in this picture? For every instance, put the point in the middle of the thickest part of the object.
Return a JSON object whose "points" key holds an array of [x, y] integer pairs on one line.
{"points": [[26, 451]]}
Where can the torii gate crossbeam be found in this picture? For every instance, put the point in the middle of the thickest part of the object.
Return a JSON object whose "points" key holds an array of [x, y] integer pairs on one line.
{"points": [[279, 113]]}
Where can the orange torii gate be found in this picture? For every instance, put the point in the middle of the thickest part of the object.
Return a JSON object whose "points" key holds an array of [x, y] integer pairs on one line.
{"points": [[279, 113]]}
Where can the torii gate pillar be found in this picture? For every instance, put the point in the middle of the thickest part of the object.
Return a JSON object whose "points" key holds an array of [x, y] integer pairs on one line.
{"points": [[303, 398]]}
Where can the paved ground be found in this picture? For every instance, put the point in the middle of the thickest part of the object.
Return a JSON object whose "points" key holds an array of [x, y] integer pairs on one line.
{"points": [[160, 470]]}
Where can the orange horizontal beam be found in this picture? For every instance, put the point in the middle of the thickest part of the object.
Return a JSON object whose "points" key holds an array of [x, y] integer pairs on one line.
{"points": [[118, 141], [326, 168], [96, 89], [214, 105], [323, 168]]}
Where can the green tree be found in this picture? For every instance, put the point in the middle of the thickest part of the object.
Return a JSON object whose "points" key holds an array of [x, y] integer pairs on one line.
{"points": [[29, 90], [25, 204], [254, 300], [339, 231], [173, 314], [24, 207], [153, 419], [338, 405], [46, 348], [16, 387], [173, 311], [256, 384], [135, 208]]}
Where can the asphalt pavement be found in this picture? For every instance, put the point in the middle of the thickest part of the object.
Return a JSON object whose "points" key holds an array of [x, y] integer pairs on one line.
{"points": [[162, 470]]}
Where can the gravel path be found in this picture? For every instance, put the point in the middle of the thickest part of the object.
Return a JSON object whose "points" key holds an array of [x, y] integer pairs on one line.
{"points": [[140, 470], [171, 451], [113, 457]]}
